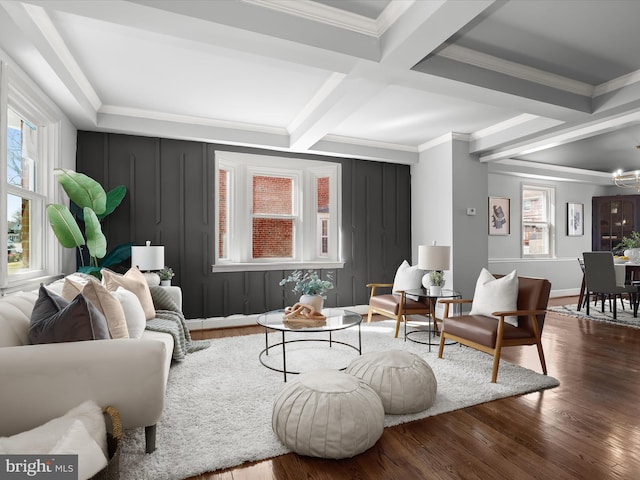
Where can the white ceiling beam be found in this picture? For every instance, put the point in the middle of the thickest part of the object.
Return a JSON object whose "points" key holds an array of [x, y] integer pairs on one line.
{"points": [[424, 27], [36, 25], [339, 98], [566, 134]]}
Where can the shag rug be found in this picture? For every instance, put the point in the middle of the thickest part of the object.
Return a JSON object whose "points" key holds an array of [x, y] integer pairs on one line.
{"points": [[624, 317], [219, 401]]}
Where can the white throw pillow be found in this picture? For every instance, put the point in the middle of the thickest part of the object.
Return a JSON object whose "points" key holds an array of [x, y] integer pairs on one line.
{"points": [[133, 281], [42, 439], [496, 295], [133, 312], [408, 278], [77, 441]]}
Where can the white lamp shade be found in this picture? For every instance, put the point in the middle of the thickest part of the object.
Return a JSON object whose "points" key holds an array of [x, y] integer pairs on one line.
{"points": [[433, 257], [147, 258]]}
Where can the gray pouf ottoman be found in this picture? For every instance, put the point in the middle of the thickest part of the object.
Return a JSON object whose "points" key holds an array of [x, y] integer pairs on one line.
{"points": [[403, 380], [329, 414]]}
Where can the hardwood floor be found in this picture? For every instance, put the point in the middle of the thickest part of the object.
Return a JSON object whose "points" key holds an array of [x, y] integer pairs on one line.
{"points": [[587, 428]]}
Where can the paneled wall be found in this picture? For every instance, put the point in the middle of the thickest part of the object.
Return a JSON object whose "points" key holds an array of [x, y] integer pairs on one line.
{"points": [[170, 201]]}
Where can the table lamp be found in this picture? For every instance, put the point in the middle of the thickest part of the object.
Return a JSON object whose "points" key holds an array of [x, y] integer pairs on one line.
{"points": [[148, 259], [434, 258]]}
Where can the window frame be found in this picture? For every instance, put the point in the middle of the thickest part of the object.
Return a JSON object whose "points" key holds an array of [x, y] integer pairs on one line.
{"points": [[18, 93], [549, 192], [241, 168]]}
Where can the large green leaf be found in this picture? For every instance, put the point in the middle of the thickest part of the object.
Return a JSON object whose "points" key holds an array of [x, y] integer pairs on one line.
{"points": [[83, 190], [114, 198], [117, 255], [96, 241], [64, 226]]}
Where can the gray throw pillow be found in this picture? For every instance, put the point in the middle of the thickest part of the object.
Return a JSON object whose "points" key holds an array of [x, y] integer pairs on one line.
{"points": [[55, 320]]}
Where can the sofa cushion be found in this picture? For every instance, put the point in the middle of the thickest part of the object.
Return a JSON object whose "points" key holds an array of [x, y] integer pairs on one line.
{"points": [[133, 312], [15, 312], [496, 295], [104, 300], [133, 281], [55, 320]]}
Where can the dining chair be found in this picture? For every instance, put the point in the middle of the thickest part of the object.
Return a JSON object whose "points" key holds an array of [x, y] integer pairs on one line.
{"points": [[600, 275]]}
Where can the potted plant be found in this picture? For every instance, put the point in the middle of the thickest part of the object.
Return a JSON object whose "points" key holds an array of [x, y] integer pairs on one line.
{"points": [[629, 246], [310, 286], [166, 274], [89, 204], [436, 277]]}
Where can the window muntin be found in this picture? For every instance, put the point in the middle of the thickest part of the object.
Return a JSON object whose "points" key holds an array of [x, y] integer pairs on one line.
{"points": [[537, 224], [25, 204], [274, 217], [274, 210]]}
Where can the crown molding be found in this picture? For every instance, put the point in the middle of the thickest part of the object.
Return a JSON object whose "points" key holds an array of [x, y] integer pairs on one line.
{"points": [[336, 17], [188, 119], [489, 62]]}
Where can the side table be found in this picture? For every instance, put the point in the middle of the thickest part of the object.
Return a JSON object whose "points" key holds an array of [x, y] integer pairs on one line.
{"points": [[432, 328]]}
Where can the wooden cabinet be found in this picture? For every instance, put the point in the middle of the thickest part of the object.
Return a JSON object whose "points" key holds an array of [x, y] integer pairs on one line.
{"points": [[614, 217]]}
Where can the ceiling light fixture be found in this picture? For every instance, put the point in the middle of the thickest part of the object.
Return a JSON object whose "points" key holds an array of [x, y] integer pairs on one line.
{"points": [[627, 179]]}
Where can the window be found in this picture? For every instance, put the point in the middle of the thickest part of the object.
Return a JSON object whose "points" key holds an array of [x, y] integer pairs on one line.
{"points": [[537, 221], [28, 147], [275, 211]]}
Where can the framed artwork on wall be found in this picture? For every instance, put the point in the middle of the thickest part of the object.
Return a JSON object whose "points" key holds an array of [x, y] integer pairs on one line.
{"points": [[575, 219], [499, 216]]}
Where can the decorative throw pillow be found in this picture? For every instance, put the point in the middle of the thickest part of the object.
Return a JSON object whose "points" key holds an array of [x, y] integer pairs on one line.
{"points": [[495, 295], [133, 312], [408, 278], [104, 300], [133, 281], [55, 320], [77, 441], [43, 438]]}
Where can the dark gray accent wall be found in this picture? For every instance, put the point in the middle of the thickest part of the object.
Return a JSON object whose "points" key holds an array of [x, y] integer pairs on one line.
{"points": [[170, 201]]}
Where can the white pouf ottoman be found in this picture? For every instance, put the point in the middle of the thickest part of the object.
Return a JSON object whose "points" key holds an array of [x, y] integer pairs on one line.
{"points": [[403, 380], [328, 414]]}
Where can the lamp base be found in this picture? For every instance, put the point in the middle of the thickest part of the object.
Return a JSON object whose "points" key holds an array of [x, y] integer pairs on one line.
{"points": [[152, 278]]}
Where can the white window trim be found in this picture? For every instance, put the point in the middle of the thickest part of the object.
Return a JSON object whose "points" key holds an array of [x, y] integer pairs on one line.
{"points": [[241, 167], [18, 92], [551, 215]]}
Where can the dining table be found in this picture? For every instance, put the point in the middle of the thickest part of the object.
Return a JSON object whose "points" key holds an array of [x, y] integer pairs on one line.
{"points": [[626, 272]]}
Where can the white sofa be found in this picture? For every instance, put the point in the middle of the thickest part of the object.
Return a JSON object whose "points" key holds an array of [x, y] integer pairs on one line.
{"points": [[41, 382]]}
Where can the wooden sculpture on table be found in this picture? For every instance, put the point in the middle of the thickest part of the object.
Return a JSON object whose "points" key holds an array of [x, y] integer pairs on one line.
{"points": [[303, 316]]}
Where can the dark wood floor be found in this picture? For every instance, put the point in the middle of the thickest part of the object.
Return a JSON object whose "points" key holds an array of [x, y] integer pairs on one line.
{"points": [[587, 428]]}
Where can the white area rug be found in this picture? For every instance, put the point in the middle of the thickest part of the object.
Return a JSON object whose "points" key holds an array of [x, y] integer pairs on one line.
{"points": [[624, 317], [218, 407]]}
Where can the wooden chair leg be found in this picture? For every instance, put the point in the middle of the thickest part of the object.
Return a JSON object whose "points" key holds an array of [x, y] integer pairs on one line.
{"points": [[441, 348], [369, 315], [398, 319], [582, 290]]}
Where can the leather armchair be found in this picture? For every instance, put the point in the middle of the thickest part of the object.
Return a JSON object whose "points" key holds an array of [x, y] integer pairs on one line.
{"points": [[395, 305], [490, 335]]}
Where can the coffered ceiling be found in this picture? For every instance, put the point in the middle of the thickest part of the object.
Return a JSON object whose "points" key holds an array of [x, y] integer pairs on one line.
{"points": [[554, 82]]}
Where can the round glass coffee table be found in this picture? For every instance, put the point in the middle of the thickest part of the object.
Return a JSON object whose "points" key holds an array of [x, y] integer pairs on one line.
{"points": [[336, 319]]}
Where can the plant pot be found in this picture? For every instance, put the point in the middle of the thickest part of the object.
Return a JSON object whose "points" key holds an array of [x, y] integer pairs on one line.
{"points": [[165, 283], [435, 290], [316, 301]]}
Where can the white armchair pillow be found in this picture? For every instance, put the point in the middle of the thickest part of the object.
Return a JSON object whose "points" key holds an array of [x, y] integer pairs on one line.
{"points": [[495, 295]]}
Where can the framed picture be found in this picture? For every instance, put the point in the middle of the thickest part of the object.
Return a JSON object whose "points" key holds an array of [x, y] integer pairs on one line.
{"points": [[499, 216], [575, 219]]}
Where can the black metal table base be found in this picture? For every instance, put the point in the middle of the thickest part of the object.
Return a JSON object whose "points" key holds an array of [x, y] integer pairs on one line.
{"points": [[284, 343]]}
